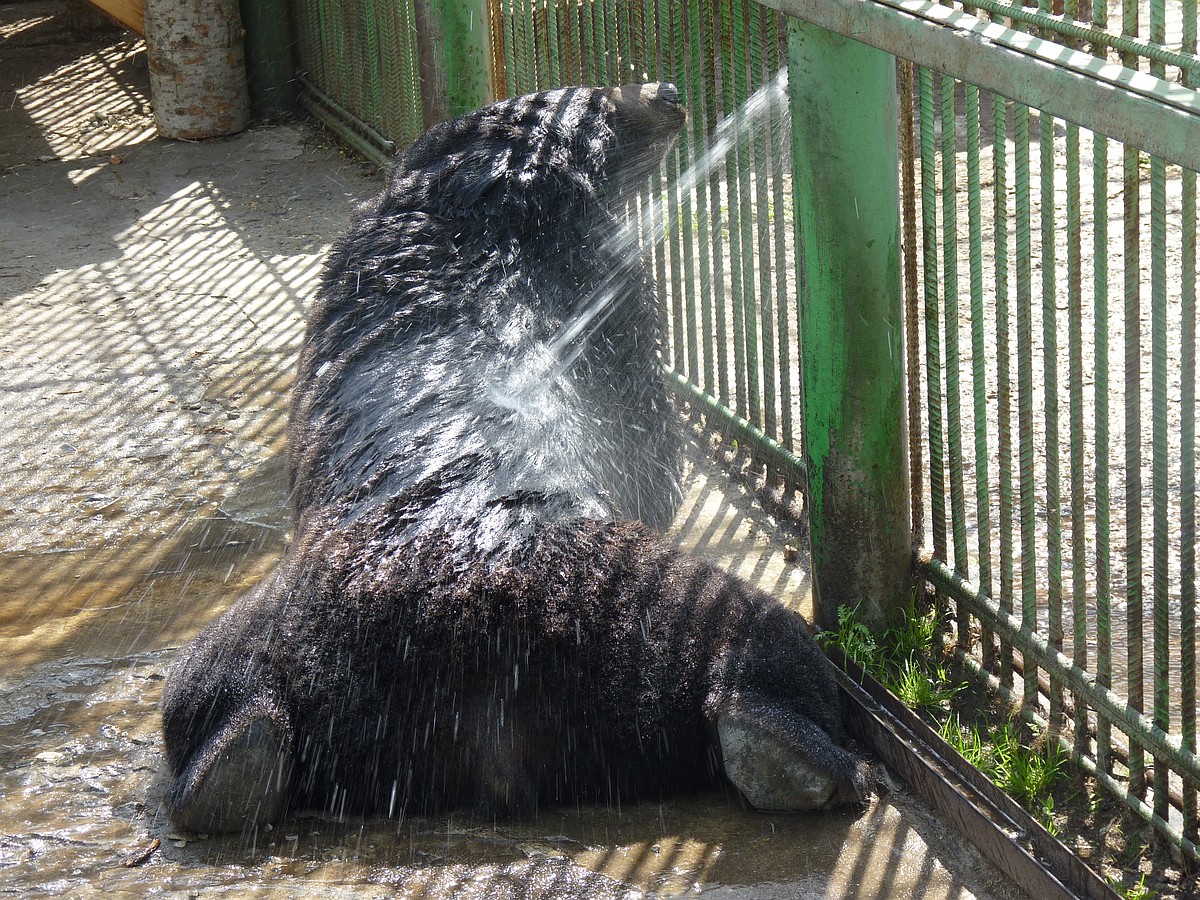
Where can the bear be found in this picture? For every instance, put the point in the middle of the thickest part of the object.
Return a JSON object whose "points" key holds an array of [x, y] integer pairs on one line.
{"points": [[478, 609]]}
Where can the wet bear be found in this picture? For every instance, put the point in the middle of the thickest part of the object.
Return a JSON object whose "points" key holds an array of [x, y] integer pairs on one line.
{"points": [[476, 610]]}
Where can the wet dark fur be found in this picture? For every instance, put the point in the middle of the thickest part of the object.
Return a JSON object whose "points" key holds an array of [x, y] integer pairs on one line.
{"points": [[469, 616], [494, 229]]}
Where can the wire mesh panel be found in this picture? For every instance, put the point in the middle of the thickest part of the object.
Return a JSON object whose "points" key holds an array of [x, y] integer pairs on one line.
{"points": [[1057, 273], [359, 59]]}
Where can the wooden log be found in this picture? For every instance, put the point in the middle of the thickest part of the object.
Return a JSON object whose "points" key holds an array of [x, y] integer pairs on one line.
{"points": [[128, 12], [197, 65]]}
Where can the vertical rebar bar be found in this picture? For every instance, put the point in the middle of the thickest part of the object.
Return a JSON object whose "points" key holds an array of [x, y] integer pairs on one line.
{"points": [[1187, 456], [612, 46], [743, 244], [699, 127], [950, 314], [933, 340], [979, 356], [758, 35], [1075, 378], [1027, 511], [1133, 458], [906, 74], [1187, 490], [528, 48], [779, 149], [665, 62], [1049, 272], [557, 62], [573, 45], [1100, 394], [716, 88], [1159, 473], [1158, 466], [593, 44], [1133, 428], [686, 156], [1004, 450], [734, 85]]}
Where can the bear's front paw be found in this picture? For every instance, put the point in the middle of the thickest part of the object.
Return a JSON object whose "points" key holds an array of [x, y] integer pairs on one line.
{"points": [[783, 762]]}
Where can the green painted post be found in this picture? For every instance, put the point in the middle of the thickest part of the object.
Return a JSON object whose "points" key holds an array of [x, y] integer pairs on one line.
{"points": [[270, 67], [454, 46], [468, 54], [846, 184]]}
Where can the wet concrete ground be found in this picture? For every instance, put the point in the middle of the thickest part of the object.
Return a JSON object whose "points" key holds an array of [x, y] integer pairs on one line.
{"points": [[151, 304]]}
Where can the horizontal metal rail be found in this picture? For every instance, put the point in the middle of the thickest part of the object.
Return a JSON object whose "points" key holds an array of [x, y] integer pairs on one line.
{"points": [[362, 137], [1036, 648], [1079, 31], [1141, 110], [789, 466]]}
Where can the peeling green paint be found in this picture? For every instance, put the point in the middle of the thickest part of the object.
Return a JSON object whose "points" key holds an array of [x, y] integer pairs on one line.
{"points": [[851, 322], [468, 55]]}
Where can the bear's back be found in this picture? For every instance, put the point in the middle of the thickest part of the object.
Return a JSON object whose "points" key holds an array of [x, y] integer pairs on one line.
{"points": [[435, 367]]}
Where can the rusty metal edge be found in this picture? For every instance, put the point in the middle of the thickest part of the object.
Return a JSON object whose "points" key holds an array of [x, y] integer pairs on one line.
{"points": [[362, 138], [1015, 842]]}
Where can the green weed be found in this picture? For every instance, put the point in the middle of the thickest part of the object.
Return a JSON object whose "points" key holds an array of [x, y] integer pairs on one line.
{"points": [[967, 741], [1023, 773], [901, 661], [914, 637], [853, 637], [918, 689], [1137, 891], [1046, 815], [904, 661]]}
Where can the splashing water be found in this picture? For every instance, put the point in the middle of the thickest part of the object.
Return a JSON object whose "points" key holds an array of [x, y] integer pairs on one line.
{"points": [[521, 386]]}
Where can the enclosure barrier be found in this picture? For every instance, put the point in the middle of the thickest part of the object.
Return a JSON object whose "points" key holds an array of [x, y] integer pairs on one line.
{"points": [[1023, 467], [1053, 452]]}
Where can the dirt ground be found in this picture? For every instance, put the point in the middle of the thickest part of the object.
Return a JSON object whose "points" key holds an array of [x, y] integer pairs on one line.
{"points": [[152, 297]]}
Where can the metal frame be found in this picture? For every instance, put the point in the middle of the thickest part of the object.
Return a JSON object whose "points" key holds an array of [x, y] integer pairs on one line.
{"points": [[1158, 116]]}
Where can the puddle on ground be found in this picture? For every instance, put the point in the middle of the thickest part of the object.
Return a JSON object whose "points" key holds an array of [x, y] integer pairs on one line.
{"points": [[88, 638], [81, 774]]}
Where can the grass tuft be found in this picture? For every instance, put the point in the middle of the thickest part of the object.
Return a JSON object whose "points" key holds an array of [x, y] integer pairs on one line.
{"points": [[1137, 891], [906, 662]]}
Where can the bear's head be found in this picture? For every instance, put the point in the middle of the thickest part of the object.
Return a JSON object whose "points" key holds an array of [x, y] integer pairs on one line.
{"points": [[526, 159], [647, 117]]}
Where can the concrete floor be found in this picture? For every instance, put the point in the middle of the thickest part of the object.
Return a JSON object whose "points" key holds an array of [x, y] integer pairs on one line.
{"points": [[152, 297]]}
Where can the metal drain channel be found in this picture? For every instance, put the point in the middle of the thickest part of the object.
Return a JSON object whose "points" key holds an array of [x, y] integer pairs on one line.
{"points": [[1015, 842]]}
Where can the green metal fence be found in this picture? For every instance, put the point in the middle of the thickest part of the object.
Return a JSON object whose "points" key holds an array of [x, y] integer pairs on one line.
{"points": [[359, 70], [727, 268], [1055, 282], [1049, 276]]}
